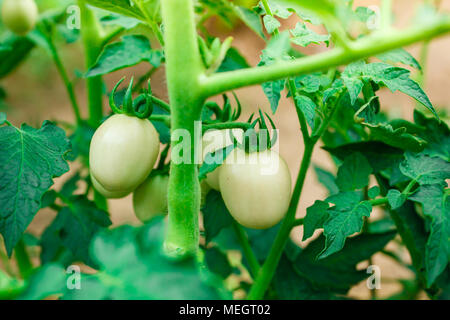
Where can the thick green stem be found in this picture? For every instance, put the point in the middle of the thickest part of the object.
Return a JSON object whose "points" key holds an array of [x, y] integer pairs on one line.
{"points": [[91, 34], [363, 48], [183, 73]]}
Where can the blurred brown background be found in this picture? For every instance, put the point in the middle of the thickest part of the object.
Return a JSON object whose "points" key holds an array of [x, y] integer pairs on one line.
{"points": [[36, 93]]}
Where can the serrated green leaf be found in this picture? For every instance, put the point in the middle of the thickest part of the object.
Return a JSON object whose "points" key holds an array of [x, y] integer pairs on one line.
{"points": [[213, 160], [131, 50], [380, 155], [217, 262], [327, 179], [337, 272], [343, 221], [233, 61], [307, 107], [271, 24], [374, 192], [73, 228], [436, 133], [13, 51], [48, 280], [398, 138], [400, 56], [425, 169], [251, 19], [354, 173], [396, 198], [303, 36], [133, 266], [29, 160], [123, 7], [272, 90], [315, 217], [436, 206]]}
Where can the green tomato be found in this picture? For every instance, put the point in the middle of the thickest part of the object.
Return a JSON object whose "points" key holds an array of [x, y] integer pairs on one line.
{"points": [[214, 140], [256, 187], [106, 193], [20, 16], [123, 152], [150, 198]]}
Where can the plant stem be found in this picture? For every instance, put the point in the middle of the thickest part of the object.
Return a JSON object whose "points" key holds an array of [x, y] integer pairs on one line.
{"points": [[300, 115], [163, 105], [183, 73], [247, 249], [63, 73], [91, 34], [23, 259], [362, 48]]}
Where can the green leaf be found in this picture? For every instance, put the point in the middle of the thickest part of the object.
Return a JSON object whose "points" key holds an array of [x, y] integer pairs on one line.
{"points": [[380, 155], [410, 226], [327, 179], [307, 107], [251, 19], [311, 83], [354, 87], [436, 206], [364, 13], [2, 118], [337, 273], [133, 266], [123, 7], [48, 280], [374, 192], [315, 217], [354, 173], [213, 160], [73, 229], [425, 169], [290, 284], [128, 52], [215, 215], [81, 142], [345, 219], [271, 23], [272, 90], [233, 61], [400, 56], [396, 198], [217, 262], [394, 78], [13, 50], [398, 138], [29, 160], [437, 135], [303, 36]]}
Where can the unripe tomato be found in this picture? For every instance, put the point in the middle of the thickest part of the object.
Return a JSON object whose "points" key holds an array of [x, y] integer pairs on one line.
{"points": [[19, 16], [150, 198], [109, 194], [214, 140], [123, 152], [255, 187]]}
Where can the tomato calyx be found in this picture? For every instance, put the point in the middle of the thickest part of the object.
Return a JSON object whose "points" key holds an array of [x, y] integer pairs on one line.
{"points": [[141, 107], [257, 140], [225, 114]]}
